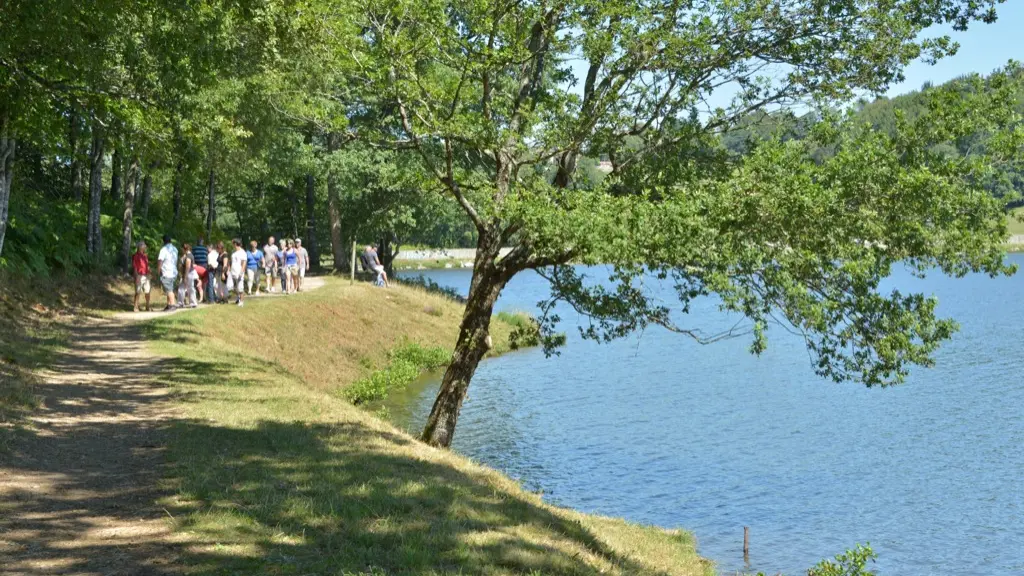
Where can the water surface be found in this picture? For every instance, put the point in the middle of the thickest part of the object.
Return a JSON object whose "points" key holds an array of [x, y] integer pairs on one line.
{"points": [[661, 430]]}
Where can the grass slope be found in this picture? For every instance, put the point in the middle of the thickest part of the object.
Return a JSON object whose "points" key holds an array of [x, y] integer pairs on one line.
{"points": [[274, 473]]}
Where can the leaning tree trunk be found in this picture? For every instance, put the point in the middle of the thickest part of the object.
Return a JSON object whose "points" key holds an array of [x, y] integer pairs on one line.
{"points": [[312, 246], [474, 342], [211, 208], [177, 195], [8, 147], [132, 181], [115, 175], [94, 234], [294, 198], [334, 208]]}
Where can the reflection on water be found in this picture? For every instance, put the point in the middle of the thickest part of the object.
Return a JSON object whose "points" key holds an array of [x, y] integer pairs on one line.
{"points": [[660, 430]]}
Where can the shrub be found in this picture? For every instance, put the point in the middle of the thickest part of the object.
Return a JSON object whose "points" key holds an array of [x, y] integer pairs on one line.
{"points": [[405, 364]]}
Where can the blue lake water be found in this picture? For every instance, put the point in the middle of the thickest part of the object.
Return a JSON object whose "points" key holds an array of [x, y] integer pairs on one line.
{"points": [[661, 430]]}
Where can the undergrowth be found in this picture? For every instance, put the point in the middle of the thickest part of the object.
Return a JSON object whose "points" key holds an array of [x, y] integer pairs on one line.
{"points": [[405, 364]]}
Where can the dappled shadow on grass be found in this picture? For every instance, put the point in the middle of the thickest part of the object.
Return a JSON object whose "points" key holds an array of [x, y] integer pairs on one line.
{"points": [[300, 498], [80, 484]]}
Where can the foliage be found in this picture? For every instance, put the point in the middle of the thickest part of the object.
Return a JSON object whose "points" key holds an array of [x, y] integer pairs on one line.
{"points": [[405, 364], [851, 563]]}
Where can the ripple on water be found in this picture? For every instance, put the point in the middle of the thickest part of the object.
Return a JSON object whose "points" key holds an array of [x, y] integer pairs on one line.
{"points": [[658, 430]]}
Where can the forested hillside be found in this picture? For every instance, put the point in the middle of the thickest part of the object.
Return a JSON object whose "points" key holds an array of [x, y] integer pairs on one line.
{"points": [[882, 114]]}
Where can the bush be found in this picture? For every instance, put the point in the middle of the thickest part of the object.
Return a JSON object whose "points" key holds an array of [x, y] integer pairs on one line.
{"points": [[405, 364]]}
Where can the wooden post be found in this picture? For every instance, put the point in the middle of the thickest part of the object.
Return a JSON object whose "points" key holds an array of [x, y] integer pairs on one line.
{"points": [[746, 542], [352, 270]]}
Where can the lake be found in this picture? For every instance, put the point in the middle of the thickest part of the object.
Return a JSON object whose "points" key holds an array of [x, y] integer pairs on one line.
{"points": [[661, 430]]}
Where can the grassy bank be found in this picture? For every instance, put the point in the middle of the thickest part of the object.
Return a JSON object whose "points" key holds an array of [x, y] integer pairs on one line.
{"points": [[274, 472]]}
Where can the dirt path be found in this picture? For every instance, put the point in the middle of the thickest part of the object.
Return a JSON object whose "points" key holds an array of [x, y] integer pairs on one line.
{"points": [[79, 493]]}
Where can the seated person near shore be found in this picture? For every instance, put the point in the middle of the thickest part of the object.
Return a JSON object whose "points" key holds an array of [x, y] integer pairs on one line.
{"points": [[372, 264]]}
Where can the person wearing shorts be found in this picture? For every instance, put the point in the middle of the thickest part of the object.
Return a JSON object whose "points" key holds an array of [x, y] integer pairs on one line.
{"points": [[140, 266], [253, 263], [372, 264], [237, 270], [168, 261], [291, 260], [303, 259], [270, 263], [282, 266]]}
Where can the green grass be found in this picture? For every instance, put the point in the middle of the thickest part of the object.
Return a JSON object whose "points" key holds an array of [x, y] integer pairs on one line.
{"points": [[273, 472], [1013, 222], [407, 362]]}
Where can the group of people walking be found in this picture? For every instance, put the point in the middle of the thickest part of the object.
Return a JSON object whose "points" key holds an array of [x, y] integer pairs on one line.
{"points": [[213, 273]]}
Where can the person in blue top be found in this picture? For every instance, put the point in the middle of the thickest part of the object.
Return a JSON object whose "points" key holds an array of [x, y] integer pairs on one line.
{"points": [[291, 260], [282, 268], [253, 264]]}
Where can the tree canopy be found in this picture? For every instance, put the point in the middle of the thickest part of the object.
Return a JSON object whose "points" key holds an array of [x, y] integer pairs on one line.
{"points": [[736, 166]]}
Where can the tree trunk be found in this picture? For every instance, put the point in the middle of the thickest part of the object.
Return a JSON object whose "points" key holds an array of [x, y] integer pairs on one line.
{"points": [[334, 208], [115, 175], [387, 253], [94, 234], [211, 208], [74, 131], [132, 182], [474, 341], [312, 246], [147, 190], [8, 147], [177, 195], [294, 198]]}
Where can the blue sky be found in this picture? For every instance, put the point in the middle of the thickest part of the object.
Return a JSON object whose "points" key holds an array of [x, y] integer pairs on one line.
{"points": [[983, 48]]}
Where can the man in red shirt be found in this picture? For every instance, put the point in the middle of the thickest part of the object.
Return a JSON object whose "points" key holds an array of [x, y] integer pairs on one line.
{"points": [[140, 265]]}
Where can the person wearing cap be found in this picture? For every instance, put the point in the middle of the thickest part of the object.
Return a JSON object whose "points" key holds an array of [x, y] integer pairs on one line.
{"points": [[140, 266], [302, 256], [168, 261]]}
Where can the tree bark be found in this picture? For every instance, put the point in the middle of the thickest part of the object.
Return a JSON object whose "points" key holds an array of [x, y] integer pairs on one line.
{"points": [[211, 208], [312, 246], [295, 210], [147, 190], [386, 253], [94, 234], [474, 341], [334, 208], [115, 175], [74, 133], [132, 183], [8, 148], [177, 195]]}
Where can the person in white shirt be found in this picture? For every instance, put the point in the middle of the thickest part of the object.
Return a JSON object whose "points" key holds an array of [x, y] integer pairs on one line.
{"points": [[238, 262], [302, 255], [212, 261], [168, 260]]}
